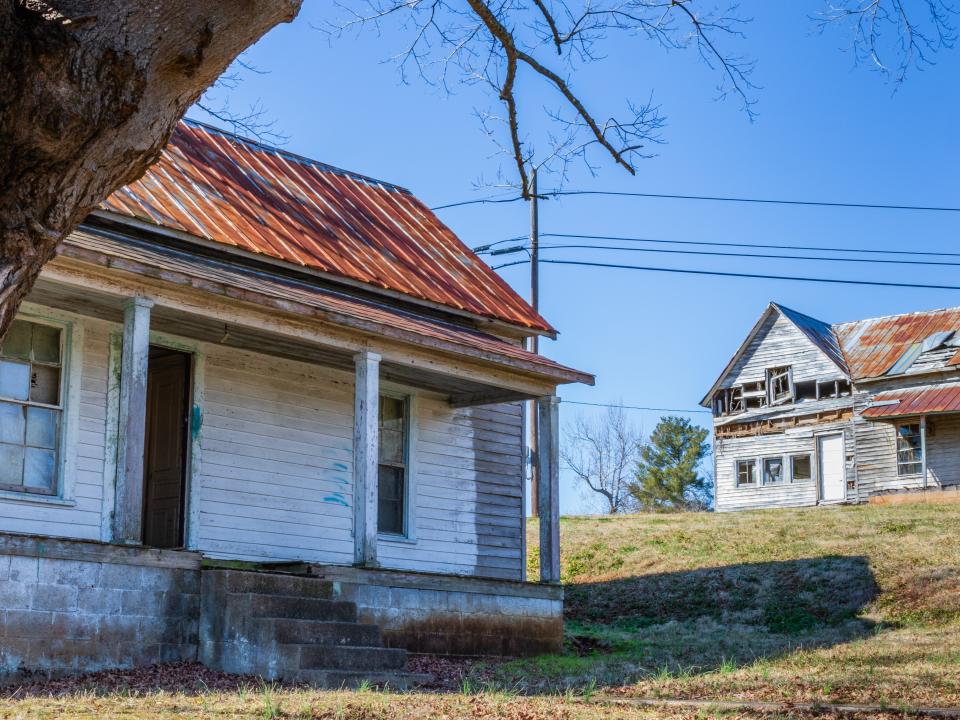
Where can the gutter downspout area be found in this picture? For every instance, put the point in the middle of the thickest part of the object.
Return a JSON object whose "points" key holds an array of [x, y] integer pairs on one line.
{"points": [[923, 448]]}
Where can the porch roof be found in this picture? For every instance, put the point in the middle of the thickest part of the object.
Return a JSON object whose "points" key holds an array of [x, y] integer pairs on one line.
{"points": [[925, 400], [312, 301]]}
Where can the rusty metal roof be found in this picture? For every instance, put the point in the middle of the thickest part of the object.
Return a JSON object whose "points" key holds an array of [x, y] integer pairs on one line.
{"points": [[873, 347], [216, 186], [927, 400]]}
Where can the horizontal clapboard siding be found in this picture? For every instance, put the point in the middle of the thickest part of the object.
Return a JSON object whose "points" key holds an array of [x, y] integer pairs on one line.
{"points": [[277, 464], [468, 492], [780, 343], [82, 519], [791, 494]]}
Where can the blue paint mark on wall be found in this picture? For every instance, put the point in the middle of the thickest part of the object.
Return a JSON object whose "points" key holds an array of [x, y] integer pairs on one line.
{"points": [[337, 499], [196, 421], [339, 466]]}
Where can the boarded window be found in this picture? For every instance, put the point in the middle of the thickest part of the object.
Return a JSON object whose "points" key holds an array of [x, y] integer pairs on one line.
{"points": [[772, 471], [909, 449], [392, 474], [30, 407], [801, 468], [746, 472]]}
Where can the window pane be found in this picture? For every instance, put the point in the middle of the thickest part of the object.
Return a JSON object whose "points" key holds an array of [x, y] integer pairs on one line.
{"points": [[45, 385], [17, 342], [772, 471], [11, 464], [391, 447], [390, 495], [11, 423], [14, 380], [802, 469], [39, 469], [391, 413], [46, 344], [42, 427], [746, 472]]}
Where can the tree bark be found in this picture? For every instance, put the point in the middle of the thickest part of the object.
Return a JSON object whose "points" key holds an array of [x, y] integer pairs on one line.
{"points": [[90, 91]]}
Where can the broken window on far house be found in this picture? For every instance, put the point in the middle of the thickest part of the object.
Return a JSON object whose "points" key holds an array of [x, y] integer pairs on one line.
{"points": [[780, 385]]}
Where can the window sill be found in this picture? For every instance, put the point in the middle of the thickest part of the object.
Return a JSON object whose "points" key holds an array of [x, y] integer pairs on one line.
{"points": [[31, 499], [402, 539]]}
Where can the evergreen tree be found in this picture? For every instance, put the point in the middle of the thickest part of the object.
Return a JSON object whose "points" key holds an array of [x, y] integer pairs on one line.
{"points": [[668, 473]]}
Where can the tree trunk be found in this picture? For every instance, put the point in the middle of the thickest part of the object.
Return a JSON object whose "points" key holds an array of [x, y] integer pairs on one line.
{"points": [[90, 91]]}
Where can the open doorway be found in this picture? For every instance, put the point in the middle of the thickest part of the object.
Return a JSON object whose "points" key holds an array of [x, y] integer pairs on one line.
{"points": [[165, 449]]}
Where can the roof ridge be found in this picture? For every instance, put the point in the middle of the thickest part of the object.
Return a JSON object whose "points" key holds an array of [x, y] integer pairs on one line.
{"points": [[780, 306], [302, 159]]}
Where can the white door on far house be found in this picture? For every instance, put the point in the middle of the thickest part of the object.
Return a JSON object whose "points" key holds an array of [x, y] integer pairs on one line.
{"points": [[833, 484]]}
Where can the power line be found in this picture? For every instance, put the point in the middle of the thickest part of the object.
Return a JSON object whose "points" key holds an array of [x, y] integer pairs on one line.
{"points": [[761, 201], [707, 243], [717, 273], [634, 407], [710, 253], [712, 198]]}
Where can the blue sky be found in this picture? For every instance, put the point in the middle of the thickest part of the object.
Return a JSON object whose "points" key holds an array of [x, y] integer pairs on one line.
{"points": [[825, 130]]}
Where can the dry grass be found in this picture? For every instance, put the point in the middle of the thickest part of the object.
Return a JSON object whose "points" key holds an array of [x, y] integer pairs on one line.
{"points": [[845, 604]]}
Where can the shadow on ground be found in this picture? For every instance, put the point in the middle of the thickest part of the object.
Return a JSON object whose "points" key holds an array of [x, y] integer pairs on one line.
{"points": [[698, 621]]}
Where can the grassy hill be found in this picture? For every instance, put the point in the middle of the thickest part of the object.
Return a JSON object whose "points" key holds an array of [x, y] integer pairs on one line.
{"points": [[852, 604]]}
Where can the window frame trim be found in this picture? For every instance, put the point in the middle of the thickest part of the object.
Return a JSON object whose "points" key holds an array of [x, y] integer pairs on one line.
{"points": [[896, 449], [736, 473], [71, 375], [808, 455], [762, 462], [409, 535]]}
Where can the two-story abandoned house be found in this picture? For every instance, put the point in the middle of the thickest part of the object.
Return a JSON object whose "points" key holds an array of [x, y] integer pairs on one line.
{"points": [[267, 414], [810, 413]]}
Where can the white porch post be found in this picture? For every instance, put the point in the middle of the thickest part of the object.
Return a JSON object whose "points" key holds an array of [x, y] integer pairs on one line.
{"points": [[548, 410], [128, 508], [366, 450], [923, 448]]}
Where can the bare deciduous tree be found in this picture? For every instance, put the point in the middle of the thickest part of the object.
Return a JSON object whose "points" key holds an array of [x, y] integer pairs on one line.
{"points": [[603, 455], [90, 91]]}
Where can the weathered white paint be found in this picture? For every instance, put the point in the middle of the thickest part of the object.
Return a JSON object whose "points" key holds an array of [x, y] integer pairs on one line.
{"points": [[366, 445], [780, 343], [128, 520], [830, 465], [548, 414]]}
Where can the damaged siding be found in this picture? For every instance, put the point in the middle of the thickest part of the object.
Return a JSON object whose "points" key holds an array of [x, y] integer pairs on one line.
{"points": [[778, 343]]}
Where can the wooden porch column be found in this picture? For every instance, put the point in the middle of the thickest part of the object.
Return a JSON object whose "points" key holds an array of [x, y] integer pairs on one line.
{"points": [[548, 411], [923, 448], [366, 452], [128, 508]]}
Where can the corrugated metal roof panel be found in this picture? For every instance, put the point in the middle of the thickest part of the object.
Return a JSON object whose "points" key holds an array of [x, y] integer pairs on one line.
{"points": [[927, 400], [216, 186], [873, 347]]}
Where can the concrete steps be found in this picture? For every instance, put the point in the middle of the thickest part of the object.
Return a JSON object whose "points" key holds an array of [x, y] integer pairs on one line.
{"points": [[288, 627]]}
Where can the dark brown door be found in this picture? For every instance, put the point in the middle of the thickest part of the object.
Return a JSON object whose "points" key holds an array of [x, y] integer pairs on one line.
{"points": [[165, 461]]}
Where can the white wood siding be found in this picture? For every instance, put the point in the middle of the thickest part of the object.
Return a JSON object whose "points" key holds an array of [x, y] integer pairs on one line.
{"points": [[791, 494], [276, 479], [779, 343]]}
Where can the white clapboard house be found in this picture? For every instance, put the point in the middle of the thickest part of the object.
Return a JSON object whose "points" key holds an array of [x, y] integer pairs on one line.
{"points": [[268, 414], [810, 413]]}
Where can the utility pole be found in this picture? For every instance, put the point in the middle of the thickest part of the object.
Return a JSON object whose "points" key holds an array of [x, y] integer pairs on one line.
{"points": [[533, 427]]}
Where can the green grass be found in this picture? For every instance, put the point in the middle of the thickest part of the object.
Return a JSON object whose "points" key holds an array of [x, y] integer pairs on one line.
{"points": [[852, 604]]}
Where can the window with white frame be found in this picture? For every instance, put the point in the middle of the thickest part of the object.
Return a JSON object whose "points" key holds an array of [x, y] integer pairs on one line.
{"points": [[773, 471], [779, 385], [801, 467], [909, 449], [392, 474], [746, 472], [31, 407]]}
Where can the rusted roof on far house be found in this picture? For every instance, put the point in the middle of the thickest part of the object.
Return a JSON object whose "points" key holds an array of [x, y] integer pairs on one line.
{"points": [[927, 400], [219, 187], [876, 347]]}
